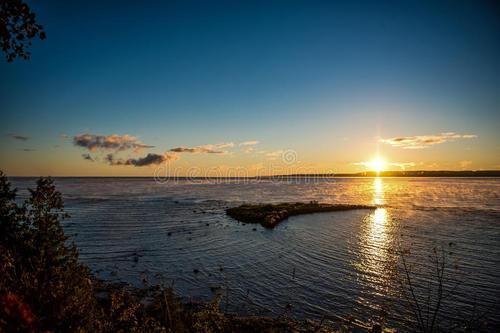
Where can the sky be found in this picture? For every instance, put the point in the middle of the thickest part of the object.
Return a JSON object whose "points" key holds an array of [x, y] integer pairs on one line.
{"points": [[257, 87]]}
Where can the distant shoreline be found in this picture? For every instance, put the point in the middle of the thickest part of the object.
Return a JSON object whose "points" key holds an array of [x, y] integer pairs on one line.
{"points": [[418, 173], [366, 174]]}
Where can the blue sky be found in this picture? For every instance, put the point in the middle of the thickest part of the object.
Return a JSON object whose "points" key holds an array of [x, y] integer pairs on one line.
{"points": [[326, 79]]}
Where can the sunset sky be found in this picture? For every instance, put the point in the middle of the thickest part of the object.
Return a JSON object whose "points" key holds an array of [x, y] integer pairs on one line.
{"points": [[120, 88]]}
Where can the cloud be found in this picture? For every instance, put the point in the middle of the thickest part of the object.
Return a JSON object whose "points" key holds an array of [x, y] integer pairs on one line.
{"points": [[403, 165], [247, 146], [110, 158], [205, 149], [196, 150], [424, 141], [248, 149], [149, 159], [222, 145], [18, 137], [275, 153], [108, 142], [88, 157], [249, 143], [28, 149]]}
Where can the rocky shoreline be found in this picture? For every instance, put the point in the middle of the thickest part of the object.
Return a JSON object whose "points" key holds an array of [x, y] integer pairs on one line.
{"points": [[270, 215]]}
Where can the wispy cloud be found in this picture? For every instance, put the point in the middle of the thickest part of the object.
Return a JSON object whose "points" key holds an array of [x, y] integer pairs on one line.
{"points": [[205, 149], [248, 149], [28, 149], [114, 142], [248, 146], [221, 145], [18, 137], [403, 165], [425, 141], [249, 143], [196, 150], [88, 157], [149, 159], [274, 154]]}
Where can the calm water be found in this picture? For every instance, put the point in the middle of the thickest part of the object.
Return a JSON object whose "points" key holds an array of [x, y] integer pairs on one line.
{"points": [[312, 265]]}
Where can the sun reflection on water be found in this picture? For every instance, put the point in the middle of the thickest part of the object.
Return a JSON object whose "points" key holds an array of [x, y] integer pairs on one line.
{"points": [[378, 191], [375, 241], [379, 218]]}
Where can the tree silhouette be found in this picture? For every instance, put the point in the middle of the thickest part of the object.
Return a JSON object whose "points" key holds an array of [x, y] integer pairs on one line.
{"points": [[43, 286], [18, 28]]}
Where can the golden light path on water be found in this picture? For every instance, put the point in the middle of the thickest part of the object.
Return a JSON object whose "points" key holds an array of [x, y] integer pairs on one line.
{"points": [[375, 240], [378, 191]]}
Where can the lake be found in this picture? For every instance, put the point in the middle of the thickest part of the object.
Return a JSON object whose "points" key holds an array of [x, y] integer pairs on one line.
{"points": [[139, 230]]}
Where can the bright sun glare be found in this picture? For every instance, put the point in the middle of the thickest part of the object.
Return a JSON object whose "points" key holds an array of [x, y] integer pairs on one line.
{"points": [[377, 164]]}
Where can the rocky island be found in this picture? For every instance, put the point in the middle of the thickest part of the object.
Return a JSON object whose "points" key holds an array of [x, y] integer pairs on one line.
{"points": [[270, 215]]}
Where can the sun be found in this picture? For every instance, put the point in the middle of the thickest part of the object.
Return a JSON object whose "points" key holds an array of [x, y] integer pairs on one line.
{"points": [[377, 164]]}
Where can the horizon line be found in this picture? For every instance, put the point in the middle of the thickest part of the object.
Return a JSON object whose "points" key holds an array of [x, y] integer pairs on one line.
{"points": [[368, 174]]}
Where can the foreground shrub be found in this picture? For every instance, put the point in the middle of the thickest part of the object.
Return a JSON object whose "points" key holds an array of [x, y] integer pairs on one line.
{"points": [[40, 270]]}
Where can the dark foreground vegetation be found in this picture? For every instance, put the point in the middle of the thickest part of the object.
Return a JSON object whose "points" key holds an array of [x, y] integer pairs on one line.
{"points": [[269, 215]]}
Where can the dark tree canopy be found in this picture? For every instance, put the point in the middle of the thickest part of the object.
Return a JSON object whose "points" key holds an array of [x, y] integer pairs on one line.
{"points": [[18, 28]]}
